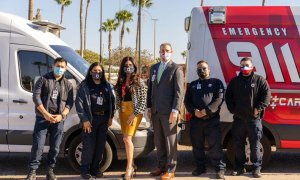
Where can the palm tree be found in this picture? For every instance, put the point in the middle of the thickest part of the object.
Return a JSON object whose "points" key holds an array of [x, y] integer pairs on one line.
{"points": [[63, 3], [263, 2], [85, 20], [81, 28], [30, 9], [109, 26], [202, 1], [123, 16], [144, 4]]}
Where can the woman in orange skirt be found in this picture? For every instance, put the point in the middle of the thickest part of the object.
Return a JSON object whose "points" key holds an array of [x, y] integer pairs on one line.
{"points": [[131, 95]]}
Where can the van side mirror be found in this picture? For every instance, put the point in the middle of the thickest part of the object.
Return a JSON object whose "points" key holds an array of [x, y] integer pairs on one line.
{"points": [[187, 23]]}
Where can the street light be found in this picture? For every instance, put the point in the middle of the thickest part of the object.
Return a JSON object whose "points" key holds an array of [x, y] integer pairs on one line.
{"points": [[154, 36], [100, 31], [140, 33]]}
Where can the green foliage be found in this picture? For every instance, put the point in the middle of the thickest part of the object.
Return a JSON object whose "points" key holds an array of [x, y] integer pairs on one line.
{"points": [[145, 3], [117, 55], [110, 25], [124, 16], [91, 56], [64, 2]]}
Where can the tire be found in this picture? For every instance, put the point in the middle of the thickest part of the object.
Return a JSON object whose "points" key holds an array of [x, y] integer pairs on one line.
{"points": [[265, 149], [75, 150]]}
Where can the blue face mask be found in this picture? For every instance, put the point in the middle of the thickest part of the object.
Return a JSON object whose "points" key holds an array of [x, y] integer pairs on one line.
{"points": [[58, 71]]}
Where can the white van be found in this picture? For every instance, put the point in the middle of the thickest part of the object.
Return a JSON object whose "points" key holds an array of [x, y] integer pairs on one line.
{"points": [[27, 51]]}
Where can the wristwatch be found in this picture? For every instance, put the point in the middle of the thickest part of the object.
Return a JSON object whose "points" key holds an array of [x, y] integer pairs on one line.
{"points": [[64, 116]]}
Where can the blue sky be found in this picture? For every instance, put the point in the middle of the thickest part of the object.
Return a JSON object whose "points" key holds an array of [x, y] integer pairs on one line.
{"points": [[169, 27]]}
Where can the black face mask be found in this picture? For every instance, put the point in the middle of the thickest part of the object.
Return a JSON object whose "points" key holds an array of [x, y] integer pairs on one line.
{"points": [[128, 69], [96, 75], [202, 74]]}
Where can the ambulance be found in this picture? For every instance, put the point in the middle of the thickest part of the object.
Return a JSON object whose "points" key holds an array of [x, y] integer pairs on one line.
{"points": [[271, 36]]}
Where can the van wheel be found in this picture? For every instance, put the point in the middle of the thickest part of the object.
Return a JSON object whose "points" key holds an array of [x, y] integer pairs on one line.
{"points": [[75, 150], [265, 149]]}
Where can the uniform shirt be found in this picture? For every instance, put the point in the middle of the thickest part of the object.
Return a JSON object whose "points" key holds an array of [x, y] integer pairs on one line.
{"points": [[99, 97], [55, 97], [205, 94]]}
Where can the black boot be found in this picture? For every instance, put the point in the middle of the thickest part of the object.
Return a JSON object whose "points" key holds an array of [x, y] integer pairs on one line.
{"points": [[85, 176], [50, 174], [31, 175], [256, 173]]}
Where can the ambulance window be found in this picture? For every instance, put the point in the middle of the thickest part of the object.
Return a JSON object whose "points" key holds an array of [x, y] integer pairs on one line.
{"points": [[32, 66]]}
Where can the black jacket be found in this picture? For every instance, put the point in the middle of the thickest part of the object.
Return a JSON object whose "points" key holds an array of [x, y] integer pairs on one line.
{"points": [[83, 102], [243, 94], [43, 88]]}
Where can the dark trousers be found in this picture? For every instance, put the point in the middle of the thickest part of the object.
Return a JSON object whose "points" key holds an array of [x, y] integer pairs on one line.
{"points": [[165, 140], [242, 129], [210, 130], [93, 145], [42, 128]]}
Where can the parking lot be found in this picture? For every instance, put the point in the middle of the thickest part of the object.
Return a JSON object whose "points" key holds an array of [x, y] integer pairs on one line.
{"points": [[282, 166]]}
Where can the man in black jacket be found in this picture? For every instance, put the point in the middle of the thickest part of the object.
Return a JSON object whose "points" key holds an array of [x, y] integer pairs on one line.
{"points": [[53, 99], [247, 96], [203, 99]]}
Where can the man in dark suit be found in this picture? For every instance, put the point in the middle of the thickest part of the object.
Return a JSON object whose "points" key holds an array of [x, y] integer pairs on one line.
{"points": [[164, 98]]}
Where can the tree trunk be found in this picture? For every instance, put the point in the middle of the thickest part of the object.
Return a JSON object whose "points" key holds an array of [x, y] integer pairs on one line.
{"points": [[61, 13], [85, 21], [30, 10], [137, 38], [109, 55], [122, 34], [81, 28]]}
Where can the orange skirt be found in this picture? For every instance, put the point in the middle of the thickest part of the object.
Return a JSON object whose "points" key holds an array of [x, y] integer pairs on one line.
{"points": [[125, 111]]}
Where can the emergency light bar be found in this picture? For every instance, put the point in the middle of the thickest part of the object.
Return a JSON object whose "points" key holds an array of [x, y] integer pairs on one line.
{"points": [[217, 15]]}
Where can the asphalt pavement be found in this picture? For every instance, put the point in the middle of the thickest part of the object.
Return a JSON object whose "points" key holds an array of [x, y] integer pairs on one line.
{"points": [[283, 166]]}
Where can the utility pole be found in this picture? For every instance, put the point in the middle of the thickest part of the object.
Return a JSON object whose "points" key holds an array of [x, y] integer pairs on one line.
{"points": [[154, 37]]}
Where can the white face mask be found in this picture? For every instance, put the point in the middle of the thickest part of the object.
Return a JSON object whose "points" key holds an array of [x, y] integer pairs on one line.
{"points": [[165, 56]]}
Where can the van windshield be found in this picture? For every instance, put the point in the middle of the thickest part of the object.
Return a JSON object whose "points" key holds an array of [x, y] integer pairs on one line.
{"points": [[72, 57]]}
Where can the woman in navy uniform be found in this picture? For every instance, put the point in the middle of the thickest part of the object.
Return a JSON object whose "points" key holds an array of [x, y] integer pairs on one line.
{"points": [[95, 105]]}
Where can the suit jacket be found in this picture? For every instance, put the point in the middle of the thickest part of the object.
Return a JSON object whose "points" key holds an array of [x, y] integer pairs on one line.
{"points": [[167, 94]]}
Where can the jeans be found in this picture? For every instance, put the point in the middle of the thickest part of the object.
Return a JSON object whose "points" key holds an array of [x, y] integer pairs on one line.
{"points": [[42, 129], [242, 129]]}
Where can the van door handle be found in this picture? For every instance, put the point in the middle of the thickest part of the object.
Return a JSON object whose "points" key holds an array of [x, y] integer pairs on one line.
{"points": [[20, 101]]}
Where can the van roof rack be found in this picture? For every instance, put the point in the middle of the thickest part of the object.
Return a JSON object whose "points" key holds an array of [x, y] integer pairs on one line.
{"points": [[45, 25]]}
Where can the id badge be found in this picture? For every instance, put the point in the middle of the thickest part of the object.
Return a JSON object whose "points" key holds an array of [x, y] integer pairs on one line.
{"points": [[122, 108], [55, 94], [100, 100], [198, 86], [153, 77]]}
